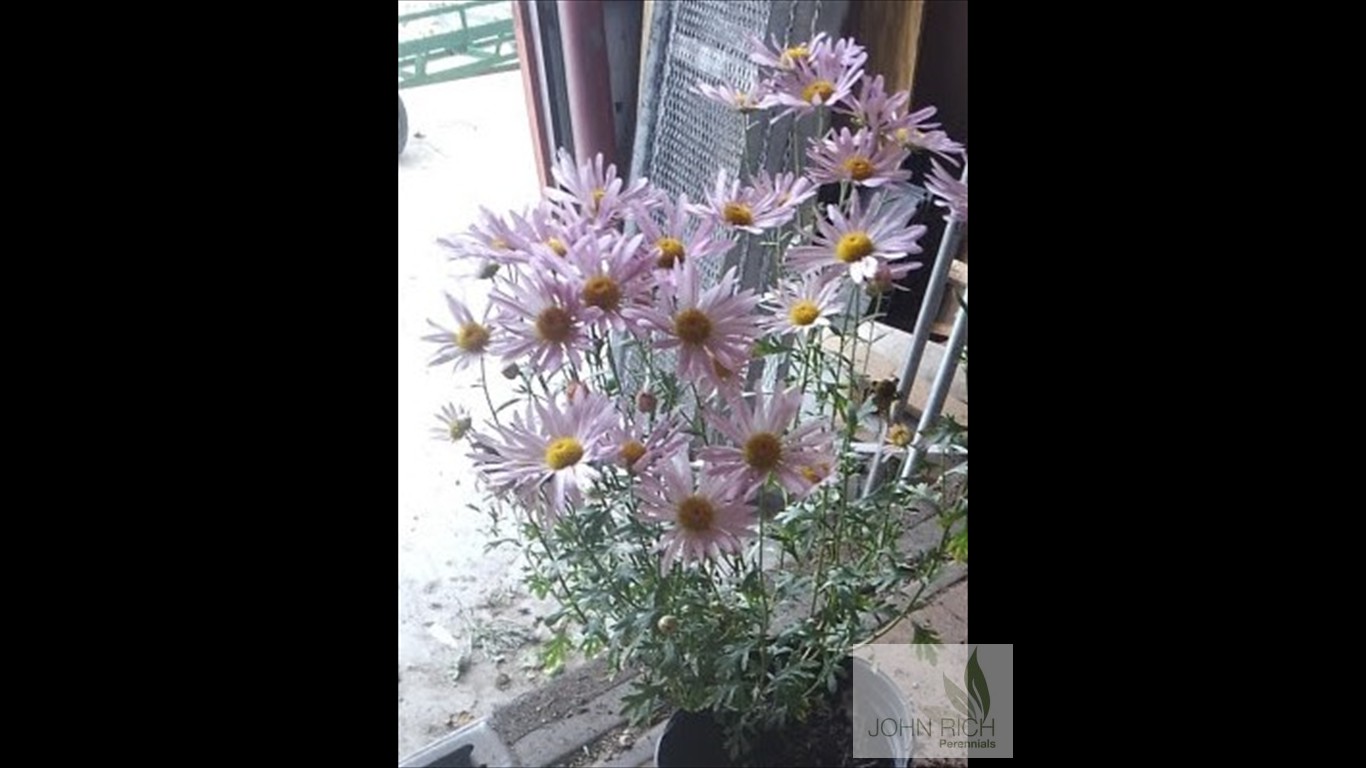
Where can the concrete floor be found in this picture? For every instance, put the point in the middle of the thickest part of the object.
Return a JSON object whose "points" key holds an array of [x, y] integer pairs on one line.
{"points": [[469, 145]]}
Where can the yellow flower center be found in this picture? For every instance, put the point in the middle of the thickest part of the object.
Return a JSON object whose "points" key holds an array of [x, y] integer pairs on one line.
{"points": [[554, 325], [602, 292], [459, 427], [557, 245], [695, 514], [632, 452], [763, 451], [899, 435], [853, 247], [909, 136], [804, 312], [738, 214], [472, 337], [499, 243], [670, 252], [563, 452], [858, 167], [822, 88], [797, 52], [692, 326], [597, 197], [815, 474]]}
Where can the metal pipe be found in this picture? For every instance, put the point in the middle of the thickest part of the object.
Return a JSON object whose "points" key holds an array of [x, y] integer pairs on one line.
{"points": [[934, 292], [588, 79], [939, 392]]}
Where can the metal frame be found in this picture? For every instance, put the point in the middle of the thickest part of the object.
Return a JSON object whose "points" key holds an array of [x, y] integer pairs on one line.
{"points": [[491, 45]]}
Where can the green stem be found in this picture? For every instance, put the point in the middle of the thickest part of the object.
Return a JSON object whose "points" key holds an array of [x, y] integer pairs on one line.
{"points": [[912, 605], [568, 595], [612, 364], [744, 146], [763, 597], [484, 385], [597, 564], [877, 310]]}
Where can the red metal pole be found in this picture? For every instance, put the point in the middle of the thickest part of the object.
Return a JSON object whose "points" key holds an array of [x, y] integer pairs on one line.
{"points": [[588, 79]]}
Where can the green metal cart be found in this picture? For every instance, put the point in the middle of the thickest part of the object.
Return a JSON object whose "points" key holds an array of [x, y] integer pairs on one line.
{"points": [[452, 41]]}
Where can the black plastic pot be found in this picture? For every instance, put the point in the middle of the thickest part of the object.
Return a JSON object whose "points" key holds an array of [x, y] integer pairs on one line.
{"points": [[691, 739], [695, 738]]}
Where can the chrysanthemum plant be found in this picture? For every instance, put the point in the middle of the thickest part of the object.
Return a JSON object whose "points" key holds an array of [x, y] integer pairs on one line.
{"points": [[678, 458]]}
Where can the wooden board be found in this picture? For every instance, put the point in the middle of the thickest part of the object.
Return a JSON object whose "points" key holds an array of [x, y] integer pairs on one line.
{"points": [[890, 30]]}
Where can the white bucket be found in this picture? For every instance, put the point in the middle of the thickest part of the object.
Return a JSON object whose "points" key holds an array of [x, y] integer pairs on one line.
{"points": [[878, 700]]}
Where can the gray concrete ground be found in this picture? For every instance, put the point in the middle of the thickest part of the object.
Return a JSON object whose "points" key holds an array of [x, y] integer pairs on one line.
{"points": [[470, 145]]}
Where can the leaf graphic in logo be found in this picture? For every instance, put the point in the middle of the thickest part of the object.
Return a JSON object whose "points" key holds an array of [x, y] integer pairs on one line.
{"points": [[956, 697], [976, 683]]}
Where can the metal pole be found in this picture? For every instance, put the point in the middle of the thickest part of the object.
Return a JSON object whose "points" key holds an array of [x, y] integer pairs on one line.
{"points": [[586, 74], [934, 292], [940, 390]]}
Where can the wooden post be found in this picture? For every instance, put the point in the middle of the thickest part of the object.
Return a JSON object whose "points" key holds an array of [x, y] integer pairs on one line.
{"points": [[527, 56], [890, 30]]}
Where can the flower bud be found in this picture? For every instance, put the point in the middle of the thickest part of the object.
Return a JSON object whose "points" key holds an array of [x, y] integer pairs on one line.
{"points": [[900, 435], [511, 371], [460, 427], [668, 624], [646, 401], [488, 270], [575, 389], [881, 282]]}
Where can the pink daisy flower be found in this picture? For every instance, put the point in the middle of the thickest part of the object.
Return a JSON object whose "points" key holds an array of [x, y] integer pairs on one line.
{"points": [[455, 424], [785, 191], [546, 320], [549, 226], [712, 329], [822, 80], [913, 133], [872, 108], [761, 449], [748, 209], [488, 238], [756, 98], [862, 241], [610, 275], [636, 450], [888, 276], [856, 158], [949, 193], [844, 51], [678, 237], [934, 142], [707, 520], [598, 195], [551, 449], [463, 344], [805, 305], [775, 56]]}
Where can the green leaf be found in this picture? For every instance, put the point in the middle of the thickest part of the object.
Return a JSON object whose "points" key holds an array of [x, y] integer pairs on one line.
{"points": [[958, 547]]}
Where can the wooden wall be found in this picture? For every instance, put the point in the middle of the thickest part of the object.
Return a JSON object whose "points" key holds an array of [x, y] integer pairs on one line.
{"points": [[890, 30]]}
